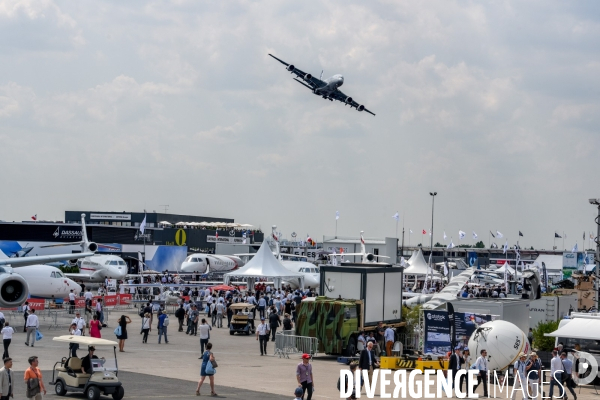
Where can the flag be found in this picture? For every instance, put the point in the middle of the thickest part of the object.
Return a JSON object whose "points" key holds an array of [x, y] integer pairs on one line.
{"points": [[244, 236], [505, 247], [445, 235], [506, 276], [275, 238], [584, 235], [424, 231], [396, 216], [556, 235], [492, 234], [337, 215], [309, 240], [34, 217], [402, 261], [493, 246], [143, 225], [450, 245], [574, 249], [410, 231], [216, 234], [446, 268], [430, 232], [461, 235], [474, 235], [499, 235], [520, 233]]}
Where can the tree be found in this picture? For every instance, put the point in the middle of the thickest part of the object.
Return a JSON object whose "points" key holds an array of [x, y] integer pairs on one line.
{"points": [[480, 245], [541, 342], [438, 244]]}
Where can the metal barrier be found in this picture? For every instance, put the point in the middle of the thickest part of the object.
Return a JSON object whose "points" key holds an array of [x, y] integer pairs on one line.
{"points": [[286, 343]]}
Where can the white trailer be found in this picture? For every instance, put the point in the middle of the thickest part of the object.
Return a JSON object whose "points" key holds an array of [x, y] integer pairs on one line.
{"points": [[551, 308], [511, 310]]}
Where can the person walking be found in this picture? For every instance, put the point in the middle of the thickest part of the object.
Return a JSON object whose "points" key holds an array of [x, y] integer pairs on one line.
{"points": [[520, 374], [33, 375], [213, 313], [262, 335], [466, 366], [567, 366], [33, 323], [455, 361], [229, 313], [180, 315], [204, 329], [304, 375], [123, 321], [72, 302], [207, 357], [262, 303], [220, 307], [530, 337], [534, 371], [7, 333], [95, 327], [145, 327], [73, 330], [274, 323], [389, 340], [6, 380], [79, 322], [287, 322], [482, 366], [163, 323], [368, 361], [193, 321], [26, 310], [100, 311]]}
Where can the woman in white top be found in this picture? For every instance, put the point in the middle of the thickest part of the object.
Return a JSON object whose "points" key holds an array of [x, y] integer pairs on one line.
{"points": [[7, 333], [146, 321], [467, 366]]}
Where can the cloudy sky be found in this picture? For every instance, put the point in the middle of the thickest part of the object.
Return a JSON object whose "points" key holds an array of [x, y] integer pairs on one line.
{"points": [[118, 106]]}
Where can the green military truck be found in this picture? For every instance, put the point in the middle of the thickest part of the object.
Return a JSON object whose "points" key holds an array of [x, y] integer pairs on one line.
{"points": [[335, 322]]}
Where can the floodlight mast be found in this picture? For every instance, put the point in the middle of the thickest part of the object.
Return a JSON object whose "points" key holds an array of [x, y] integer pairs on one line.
{"points": [[596, 202]]}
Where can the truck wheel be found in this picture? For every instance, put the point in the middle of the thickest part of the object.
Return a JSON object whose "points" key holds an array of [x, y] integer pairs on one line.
{"points": [[92, 393], [119, 393], [351, 347], [59, 388], [231, 333]]}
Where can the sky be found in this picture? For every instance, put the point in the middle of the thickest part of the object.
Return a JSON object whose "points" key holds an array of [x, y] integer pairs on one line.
{"points": [[115, 106]]}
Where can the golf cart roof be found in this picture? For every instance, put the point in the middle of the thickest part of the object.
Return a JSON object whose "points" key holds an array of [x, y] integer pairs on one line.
{"points": [[85, 340], [241, 306]]}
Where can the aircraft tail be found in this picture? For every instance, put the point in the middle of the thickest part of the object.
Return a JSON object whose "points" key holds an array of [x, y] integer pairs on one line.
{"points": [[362, 243]]}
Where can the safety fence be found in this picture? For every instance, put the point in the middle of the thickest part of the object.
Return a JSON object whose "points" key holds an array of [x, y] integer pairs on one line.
{"points": [[286, 343], [59, 318]]}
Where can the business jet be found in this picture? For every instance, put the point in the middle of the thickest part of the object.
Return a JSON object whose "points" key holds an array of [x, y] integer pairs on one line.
{"points": [[301, 265], [367, 258], [203, 263], [328, 88], [99, 267], [45, 281]]}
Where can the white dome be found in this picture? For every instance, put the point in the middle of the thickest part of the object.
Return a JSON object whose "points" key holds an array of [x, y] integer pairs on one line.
{"points": [[503, 341]]}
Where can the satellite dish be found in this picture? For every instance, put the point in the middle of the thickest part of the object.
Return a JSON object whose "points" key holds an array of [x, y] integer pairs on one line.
{"points": [[503, 341]]}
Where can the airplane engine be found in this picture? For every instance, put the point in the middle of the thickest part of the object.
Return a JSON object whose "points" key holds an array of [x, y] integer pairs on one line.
{"points": [[370, 257], [13, 289], [348, 100], [291, 67], [531, 285], [360, 108], [92, 246], [307, 77]]}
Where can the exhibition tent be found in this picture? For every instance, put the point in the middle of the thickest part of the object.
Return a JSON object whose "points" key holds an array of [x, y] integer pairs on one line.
{"points": [[264, 265], [578, 328], [418, 266]]}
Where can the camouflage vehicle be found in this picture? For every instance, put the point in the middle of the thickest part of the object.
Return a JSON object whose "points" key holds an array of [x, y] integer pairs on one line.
{"points": [[335, 322]]}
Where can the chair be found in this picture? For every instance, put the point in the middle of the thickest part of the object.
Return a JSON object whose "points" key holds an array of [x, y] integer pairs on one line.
{"points": [[397, 349]]}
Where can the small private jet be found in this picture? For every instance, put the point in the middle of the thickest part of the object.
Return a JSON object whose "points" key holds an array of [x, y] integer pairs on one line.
{"points": [[328, 88]]}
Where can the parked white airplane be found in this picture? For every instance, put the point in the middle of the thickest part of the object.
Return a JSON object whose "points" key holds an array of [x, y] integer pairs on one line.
{"points": [[300, 264], [45, 281], [367, 258], [203, 263], [99, 267]]}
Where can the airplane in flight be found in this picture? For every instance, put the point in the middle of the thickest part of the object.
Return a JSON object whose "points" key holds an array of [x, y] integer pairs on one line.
{"points": [[328, 88]]}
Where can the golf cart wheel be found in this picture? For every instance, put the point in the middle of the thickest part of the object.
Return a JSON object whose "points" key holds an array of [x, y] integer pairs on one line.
{"points": [[119, 393], [92, 393], [59, 388]]}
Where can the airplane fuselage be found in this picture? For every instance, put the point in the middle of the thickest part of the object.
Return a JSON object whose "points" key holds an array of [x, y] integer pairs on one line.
{"points": [[99, 267], [331, 85], [45, 281]]}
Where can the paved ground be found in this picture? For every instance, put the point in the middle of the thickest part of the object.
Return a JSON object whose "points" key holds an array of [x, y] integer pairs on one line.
{"points": [[142, 386], [171, 370]]}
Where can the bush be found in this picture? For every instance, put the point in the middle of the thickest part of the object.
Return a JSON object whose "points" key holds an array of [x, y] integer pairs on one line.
{"points": [[541, 342], [411, 315]]}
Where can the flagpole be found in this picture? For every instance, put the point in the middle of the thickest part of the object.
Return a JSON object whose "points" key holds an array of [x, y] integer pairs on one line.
{"points": [[336, 228], [563, 240]]}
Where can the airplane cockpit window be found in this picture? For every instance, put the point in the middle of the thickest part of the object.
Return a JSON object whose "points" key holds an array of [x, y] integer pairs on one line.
{"points": [[107, 263], [59, 274], [121, 262], [114, 263], [52, 275], [188, 259]]}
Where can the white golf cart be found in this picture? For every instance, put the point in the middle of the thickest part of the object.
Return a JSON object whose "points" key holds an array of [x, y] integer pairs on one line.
{"points": [[68, 376]]}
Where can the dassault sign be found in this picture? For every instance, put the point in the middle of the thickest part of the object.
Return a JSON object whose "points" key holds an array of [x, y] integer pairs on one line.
{"points": [[62, 233]]}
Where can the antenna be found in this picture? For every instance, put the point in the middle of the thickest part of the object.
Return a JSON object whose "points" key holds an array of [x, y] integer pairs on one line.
{"points": [[165, 206]]}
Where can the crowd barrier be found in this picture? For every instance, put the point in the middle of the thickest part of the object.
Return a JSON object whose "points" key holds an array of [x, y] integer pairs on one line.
{"points": [[286, 343]]}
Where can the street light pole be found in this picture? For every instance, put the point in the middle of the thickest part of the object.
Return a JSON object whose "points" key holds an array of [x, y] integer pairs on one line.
{"points": [[432, 194], [596, 202]]}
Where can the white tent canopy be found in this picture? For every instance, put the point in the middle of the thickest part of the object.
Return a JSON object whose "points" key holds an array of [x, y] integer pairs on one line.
{"points": [[553, 263], [264, 265], [504, 268], [578, 328], [418, 266]]}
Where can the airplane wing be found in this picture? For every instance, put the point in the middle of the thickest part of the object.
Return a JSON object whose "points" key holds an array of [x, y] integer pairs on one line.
{"points": [[340, 96], [23, 261], [311, 81]]}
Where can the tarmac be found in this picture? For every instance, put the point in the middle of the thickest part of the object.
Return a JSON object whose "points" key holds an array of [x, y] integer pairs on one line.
{"points": [[171, 371]]}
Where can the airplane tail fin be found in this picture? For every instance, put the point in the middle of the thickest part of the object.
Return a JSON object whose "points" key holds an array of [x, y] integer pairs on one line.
{"points": [[362, 243], [85, 244]]}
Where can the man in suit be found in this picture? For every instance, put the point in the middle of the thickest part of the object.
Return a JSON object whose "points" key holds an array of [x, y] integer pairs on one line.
{"points": [[368, 361], [6, 380], [455, 361]]}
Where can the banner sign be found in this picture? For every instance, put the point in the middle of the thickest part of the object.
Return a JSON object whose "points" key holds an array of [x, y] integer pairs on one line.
{"points": [[109, 301], [225, 239], [114, 217], [437, 330]]}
